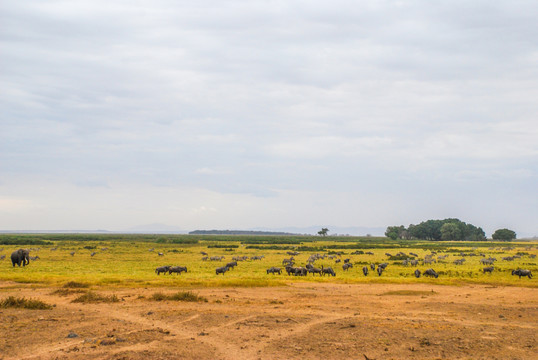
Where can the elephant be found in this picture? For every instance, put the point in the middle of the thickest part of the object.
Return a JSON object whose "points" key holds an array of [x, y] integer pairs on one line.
{"points": [[20, 256]]}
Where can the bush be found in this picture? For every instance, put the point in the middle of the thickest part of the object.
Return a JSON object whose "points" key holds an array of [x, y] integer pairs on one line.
{"points": [[76, 285], [32, 304]]}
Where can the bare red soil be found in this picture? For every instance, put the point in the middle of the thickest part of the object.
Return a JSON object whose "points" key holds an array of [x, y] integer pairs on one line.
{"points": [[300, 321]]}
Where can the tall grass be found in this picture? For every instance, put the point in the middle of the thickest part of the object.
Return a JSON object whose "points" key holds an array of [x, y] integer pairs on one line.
{"points": [[21, 302]]}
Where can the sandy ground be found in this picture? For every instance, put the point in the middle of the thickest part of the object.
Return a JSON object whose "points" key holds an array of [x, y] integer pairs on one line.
{"points": [[300, 321]]}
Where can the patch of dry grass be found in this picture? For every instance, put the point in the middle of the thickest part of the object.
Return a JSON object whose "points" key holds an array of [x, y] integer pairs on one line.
{"points": [[91, 297], [32, 304]]}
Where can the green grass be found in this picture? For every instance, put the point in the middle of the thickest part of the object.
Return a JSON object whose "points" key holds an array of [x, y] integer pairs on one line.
{"points": [[32, 304], [129, 263]]}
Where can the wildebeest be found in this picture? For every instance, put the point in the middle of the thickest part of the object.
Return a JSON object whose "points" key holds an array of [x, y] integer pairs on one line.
{"points": [[369, 253], [216, 258], [203, 253], [383, 266], [93, 254], [380, 270], [2, 257], [232, 264], [221, 270], [161, 254], [34, 258], [315, 270], [488, 269], [300, 271], [72, 253], [328, 270], [365, 270], [372, 266], [431, 272], [346, 266], [273, 270], [177, 269], [521, 272], [337, 261], [162, 269], [346, 261], [417, 273]]}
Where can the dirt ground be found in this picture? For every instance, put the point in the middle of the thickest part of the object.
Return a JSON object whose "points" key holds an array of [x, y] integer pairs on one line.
{"points": [[299, 321]]}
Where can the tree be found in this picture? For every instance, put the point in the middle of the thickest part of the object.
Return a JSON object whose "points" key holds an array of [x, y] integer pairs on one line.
{"points": [[504, 235], [450, 231], [323, 232], [395, 232]]}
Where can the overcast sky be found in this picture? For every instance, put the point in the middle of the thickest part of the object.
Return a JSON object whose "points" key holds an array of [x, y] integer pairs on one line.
{"points": [[244, 114]]}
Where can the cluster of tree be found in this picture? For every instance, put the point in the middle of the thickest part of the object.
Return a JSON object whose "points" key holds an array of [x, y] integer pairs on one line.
{"points": [[437, 230], [504, 235]]}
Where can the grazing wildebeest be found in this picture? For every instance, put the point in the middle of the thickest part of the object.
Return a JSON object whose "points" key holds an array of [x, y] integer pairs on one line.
{"points": [[488, 269], [346, 261], [93, 254], [162, 269], [369, 253], [204, 258], [414, 262], [3, 257], [372, 266], [365, 270], [380, 270], [315, 270], [221, 270], [161, 254], [415, 255], [177, 269], [203, 253], [72, 253], [232, 264], [388, 254], [417, 273], [34, 257], [346, 266], [301, 271], [328, 270], [273, 270], [383, 266], [521, 272], [337, 261], [431, 272]]}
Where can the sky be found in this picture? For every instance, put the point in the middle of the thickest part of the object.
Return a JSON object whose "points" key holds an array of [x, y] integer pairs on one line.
{"points": [[268, 114]]}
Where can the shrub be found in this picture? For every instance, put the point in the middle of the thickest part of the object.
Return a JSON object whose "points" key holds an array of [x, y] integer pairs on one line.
{"points": [[32, 304]]}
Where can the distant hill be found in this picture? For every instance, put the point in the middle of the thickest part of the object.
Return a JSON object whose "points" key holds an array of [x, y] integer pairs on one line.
{"points": [[238, 232]]}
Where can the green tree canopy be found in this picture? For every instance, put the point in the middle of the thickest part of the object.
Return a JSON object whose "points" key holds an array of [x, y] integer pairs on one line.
{"points": [[433, 230], [323, 232], [504, 235]]}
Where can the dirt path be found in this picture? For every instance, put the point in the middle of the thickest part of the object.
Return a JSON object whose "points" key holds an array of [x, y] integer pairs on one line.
{"points": [[315, 321]]}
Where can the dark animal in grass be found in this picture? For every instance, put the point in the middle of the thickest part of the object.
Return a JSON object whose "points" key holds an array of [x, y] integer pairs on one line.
{"points": [[521, 272], [380, 270], [337, 261], [93, 254], [417, 273], [365, 270], [273, 270], [34, 258], [327, 271], [300, 271], [221, 270], [431, 273], [232, 264], [161, 254], [203, 253], [20, 256], [346, 261], [383, 266], [488, 269], [162, 269], [315, 270], [372, 266], [72, 253], [177, 269], [346, 266], [3, 257]]}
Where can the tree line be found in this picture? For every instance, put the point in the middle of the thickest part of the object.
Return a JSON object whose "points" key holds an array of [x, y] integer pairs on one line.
{"points": [[445, 230]]}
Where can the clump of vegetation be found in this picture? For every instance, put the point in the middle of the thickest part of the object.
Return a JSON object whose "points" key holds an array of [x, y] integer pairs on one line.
{"points": [[76, 285], [32, 304], [91, 297], [66, 292], [179, 296], [408, 292]]}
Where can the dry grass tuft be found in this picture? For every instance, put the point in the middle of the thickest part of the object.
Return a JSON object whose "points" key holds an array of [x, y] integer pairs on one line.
{"points": [[179, 296], [91, 297], [32, 304], [76, 285]]}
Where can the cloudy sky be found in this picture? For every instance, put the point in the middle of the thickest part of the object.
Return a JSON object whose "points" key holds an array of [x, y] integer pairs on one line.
{"points": [[236, 114]]}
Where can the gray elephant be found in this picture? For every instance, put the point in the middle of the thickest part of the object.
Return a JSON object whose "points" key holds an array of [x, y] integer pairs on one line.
{"points": [[20, 256]]}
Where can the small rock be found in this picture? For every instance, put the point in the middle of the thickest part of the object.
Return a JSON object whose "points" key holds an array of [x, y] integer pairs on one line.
{"points": [[72, 335]]}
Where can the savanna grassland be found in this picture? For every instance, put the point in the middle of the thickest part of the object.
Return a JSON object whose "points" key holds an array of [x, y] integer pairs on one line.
{"points": [[70, 304]]}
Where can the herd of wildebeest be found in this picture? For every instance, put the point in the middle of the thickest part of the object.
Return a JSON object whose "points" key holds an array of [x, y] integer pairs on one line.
{"points": [[289, 264], [22, 257]]}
